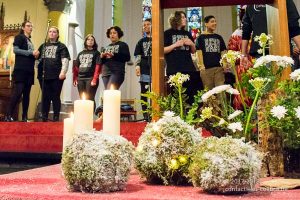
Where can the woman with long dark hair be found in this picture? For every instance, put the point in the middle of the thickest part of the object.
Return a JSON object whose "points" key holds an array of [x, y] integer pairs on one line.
{"points": [[52, 72], [87, 69], [114, 57], [23, 74]]}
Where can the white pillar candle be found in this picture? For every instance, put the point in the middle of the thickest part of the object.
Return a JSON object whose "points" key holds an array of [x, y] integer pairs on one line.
{"points": [[68, 130], [83, 115], [111, 111]]}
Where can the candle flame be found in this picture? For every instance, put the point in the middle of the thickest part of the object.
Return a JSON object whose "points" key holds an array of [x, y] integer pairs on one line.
{"points": [[71, 115], [112, 87], [83, 96]]}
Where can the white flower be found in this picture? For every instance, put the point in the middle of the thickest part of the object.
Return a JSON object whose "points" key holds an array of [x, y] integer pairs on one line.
{"points": [[297, 112], [221, 122], [169, 114], [278, 111], [260, 51], [221, 88], [295, 75], [206, 95], [235, 114], [233, 91], [282, 61], [235, 126]]}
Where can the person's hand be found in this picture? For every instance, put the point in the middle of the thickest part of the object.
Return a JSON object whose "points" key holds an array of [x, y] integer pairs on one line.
{"points": [[93, 82], [106, 55], [36, 53], [75, 83], [138, 70], [179, 43], [188, 42], [296, 51], [244, 61], [62, 76]]}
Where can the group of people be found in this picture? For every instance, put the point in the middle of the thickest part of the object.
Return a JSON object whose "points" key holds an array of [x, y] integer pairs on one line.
{"points": [[179, 44], [53, 57]]}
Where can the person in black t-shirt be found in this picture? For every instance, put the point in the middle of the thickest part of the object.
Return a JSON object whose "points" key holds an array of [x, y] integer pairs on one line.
{"points": [[23, 74], [113, 58], [143, 63], [211, 46], [87, 69], [52, 71], [178, 46]]}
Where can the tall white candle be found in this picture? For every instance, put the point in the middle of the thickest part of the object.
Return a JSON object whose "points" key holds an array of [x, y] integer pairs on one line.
{"points": [[111, 111], [68, 130], [83, 115]]}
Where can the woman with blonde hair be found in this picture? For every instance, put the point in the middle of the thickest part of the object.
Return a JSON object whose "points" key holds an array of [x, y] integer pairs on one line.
{"points": [[52, 72]]}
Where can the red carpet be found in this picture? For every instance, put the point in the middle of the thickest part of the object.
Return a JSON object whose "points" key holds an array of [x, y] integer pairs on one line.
{"points": [[47, 184], [46, 137]]}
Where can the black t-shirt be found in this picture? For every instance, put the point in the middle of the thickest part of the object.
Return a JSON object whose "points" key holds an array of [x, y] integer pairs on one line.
{"points": [[211, 45], [255, 19], [116, 64], [23, 62], [54, 52], [86, 61], [143, 48], [179, 59]]}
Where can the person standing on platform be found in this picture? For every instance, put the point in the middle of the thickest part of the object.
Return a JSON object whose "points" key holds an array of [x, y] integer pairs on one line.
{"points": [[210, 46], [178, 46], [255, 23], [87, 69], [23, 74], [143, 63], [52, 71], [113, 58]]}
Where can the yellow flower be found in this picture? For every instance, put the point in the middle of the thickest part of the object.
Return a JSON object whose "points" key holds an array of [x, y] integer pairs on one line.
{"points": [[183, 159], [206, 113], [174, 164]]}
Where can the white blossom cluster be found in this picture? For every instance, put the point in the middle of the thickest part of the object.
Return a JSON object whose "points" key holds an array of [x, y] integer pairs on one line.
{"points": [[280, 112], [230, 58], [219, 89], [281, 61], [178, 79], [223, 163], [164, 149], [97, 162], [295, 75]]}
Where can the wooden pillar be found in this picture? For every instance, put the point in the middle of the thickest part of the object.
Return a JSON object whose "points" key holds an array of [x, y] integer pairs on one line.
{"points": [[278, 27], [157, 50]]}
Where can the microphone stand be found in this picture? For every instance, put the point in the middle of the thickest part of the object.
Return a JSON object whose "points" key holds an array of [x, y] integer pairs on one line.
{"points": [[43, 73]]}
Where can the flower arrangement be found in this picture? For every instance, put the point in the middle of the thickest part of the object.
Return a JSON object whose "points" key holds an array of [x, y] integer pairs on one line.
{"points": [[164, 149], [97, 162], [285, 114], [258, 81], [225, 165]]}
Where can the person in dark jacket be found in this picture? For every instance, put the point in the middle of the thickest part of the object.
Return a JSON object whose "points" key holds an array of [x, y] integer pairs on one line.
{"points": [[255, 22], [113, 58], [23, 74], [143, 63], [52, 72], [87, 69]]}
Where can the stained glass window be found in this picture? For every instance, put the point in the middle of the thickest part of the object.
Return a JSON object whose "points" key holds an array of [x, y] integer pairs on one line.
{"points": [[147, 9], [194, 18]]}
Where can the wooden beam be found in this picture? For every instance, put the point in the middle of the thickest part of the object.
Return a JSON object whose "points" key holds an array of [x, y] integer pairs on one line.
{"points": [[198, 3], [157, 50], [278, 28]]}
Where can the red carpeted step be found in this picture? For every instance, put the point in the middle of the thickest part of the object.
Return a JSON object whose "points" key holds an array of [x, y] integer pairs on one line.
{"points": [[46, 137]]}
